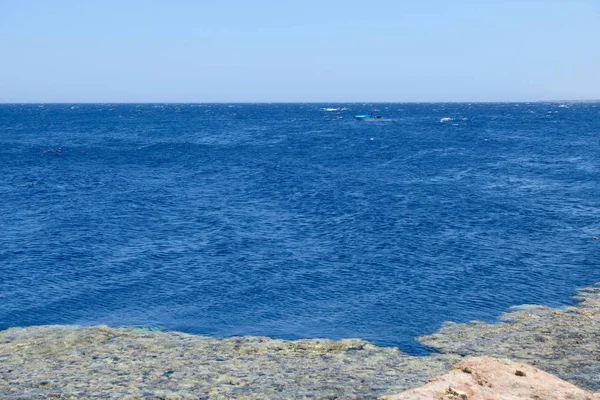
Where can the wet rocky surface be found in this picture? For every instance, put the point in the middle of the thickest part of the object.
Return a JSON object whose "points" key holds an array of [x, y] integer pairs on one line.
{"points": [[111, 363], [100, 362], [564, 341]]}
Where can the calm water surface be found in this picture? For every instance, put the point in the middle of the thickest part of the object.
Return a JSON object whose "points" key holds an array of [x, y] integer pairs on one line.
{"points": [[295, 221]]}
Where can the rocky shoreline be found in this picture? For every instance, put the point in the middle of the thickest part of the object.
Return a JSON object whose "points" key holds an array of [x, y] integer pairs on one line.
{"points": [[564, 342], [71, 362], [487, 378]]}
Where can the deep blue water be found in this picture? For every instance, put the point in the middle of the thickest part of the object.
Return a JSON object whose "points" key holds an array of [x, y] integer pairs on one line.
{"points": [[295, 220]]}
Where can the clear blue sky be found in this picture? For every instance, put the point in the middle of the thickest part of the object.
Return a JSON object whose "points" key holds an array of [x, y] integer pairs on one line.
{"points": [[309, 50]]}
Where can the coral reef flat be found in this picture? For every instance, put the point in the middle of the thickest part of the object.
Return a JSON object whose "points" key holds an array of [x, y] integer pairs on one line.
{"points": [[73, 362], [564, 342], [115, 363]]}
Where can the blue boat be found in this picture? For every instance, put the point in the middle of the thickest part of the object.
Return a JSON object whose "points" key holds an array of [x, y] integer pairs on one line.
{"points": [[368, 117]]}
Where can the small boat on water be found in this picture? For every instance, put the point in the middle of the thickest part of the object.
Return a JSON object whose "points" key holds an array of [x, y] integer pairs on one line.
{"points": [[368, 117]]}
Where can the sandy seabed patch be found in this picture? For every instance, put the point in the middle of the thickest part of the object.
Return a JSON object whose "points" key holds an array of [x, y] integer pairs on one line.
{"points": [[73, 362]]}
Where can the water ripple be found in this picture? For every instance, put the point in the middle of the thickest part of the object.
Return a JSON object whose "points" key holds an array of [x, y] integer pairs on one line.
{"points": [[294, 221]]}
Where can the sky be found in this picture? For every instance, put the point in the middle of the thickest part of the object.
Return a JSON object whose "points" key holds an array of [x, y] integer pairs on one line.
{"points": [[298, 51]]}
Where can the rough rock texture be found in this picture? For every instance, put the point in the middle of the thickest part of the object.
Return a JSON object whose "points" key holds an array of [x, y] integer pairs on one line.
{"points": [[486, 378], [108, 363], [564, 342], [70, 362]]}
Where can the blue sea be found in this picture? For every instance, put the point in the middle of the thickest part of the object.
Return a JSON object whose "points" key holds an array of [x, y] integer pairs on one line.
{"points": [[295, 220]]}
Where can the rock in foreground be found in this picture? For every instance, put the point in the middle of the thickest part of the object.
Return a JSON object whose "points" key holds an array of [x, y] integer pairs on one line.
{"points": [[486, 378], [563, 341], [73, 363]]}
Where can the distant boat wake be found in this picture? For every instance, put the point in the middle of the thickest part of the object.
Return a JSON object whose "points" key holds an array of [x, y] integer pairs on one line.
{"points": [[371, 117]]}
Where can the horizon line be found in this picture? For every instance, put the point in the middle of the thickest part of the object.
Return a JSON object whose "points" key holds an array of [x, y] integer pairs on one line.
{"points": [[300, 102]]}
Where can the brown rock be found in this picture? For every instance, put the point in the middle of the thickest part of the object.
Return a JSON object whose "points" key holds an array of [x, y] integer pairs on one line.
{"points": [[519, 373], [463, 391], [486, 378]]}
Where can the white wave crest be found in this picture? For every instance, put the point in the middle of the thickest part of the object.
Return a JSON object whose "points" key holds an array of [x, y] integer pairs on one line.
{"points": [[446, 119]]}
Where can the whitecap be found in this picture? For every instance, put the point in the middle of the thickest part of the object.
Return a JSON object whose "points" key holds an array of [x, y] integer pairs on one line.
{"points": [[446, 119], [330, 109]]}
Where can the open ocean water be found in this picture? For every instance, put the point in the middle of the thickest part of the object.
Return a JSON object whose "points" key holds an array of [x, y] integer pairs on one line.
{"points": [[295, 220]]}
